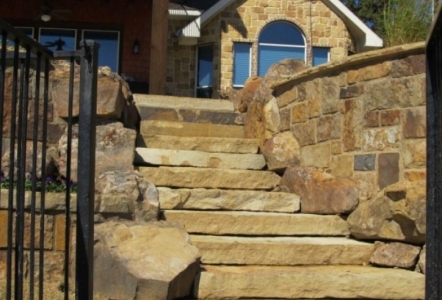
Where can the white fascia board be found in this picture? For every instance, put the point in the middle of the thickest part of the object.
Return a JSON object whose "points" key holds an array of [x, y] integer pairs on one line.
{"points": [[183, 13], [193, 30], [365, 38]]}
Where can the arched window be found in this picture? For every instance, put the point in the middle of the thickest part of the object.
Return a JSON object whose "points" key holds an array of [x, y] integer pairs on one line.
{"points": [[277, 41]]}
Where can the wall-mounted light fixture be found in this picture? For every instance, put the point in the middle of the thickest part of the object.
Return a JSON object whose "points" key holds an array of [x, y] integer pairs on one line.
{"points": [[136, 47], [45, 17]]}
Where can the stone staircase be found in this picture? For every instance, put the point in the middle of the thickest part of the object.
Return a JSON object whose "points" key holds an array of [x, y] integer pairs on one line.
{"points": [[253, 241]]}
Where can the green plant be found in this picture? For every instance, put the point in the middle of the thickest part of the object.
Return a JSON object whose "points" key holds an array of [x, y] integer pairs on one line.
{"points": [[52, 184]]}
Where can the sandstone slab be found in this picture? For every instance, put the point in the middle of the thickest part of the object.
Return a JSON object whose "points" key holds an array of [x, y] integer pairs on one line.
{"points": [[190, 158], [258, 223], [147, 100], [281, 251], [185, 177], [308, 282], [151, 128], [281, 150], [143, 261], [206, 144], [397, 213], [398, 255], [217, 199], [320, 192]]}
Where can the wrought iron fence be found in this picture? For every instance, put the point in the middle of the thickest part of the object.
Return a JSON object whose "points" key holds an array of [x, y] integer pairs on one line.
{"points": [[433, 273], [25, 70]]}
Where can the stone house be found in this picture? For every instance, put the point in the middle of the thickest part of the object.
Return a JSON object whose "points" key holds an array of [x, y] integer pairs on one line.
{"points": [[209, 46]]}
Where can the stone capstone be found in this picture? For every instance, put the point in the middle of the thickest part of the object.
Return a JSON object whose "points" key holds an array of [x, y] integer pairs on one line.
{"points": [[281, 150], [321, 193], [395, 255], [137, 260], [397, 213]]}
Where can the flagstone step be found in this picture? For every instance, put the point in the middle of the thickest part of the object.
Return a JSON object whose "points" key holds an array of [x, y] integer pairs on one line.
{"points": [[258, 223], [216, 199], [190, 158], [187, 177], [281, 251], [146, 100], [184, 129], [312, 282], [207, 144]]}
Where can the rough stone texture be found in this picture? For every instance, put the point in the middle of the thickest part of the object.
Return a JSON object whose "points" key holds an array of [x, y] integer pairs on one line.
{"points": [[143, 261], [281, 150], [352, 131], [148, 100], [281, 251], [115, 148], [329, 127], [390, 117], [320, 192], [351, 91], [206, 144], [379, 139], [415, 123], [185, 177], [415, 175], [272, 117], [255, 126], [128, 193], [388, 169], [305, 132], [422, 259], [258, 223], [368, 73], [190, 158], [342, 166], [215, 199], [366, 162], [53, 201], [366, 184], [415, 154], [308, 282], [318, 155], [396, 255], [152, 128], [246, 94], [330, 96], [397, 213]]}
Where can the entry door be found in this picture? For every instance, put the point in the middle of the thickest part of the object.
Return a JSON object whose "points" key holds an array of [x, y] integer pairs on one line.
{"points": [[204, 71]]}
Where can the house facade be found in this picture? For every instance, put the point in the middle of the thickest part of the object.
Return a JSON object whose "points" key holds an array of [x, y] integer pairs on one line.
{"points": [[195, 48]]}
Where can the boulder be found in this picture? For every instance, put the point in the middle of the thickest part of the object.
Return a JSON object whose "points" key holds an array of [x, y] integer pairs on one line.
{"points": [[272, 117], [397, 213], [281, 150], [280, 70], [395, 255], [245, 96], [255, 124], [115, 150], [321, 193], [138, 260], [127, 193]]}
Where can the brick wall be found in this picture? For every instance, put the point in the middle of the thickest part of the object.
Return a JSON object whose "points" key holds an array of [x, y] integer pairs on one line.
{"points": [[133, 18], [363, 118]]}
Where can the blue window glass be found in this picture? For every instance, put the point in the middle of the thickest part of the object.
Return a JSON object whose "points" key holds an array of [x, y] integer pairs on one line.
{"points": [[281, 33], [268, 55], [241, 63], [205, 65], [58, 39], [320, 55], [109, 47]]}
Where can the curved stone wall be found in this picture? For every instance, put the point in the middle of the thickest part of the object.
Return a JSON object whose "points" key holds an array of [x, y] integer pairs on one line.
{"points": [[363, 117]]}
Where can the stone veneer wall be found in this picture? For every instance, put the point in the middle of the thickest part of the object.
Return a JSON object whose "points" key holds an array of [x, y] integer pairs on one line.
{"points": [[243, 21], [363, 118]]}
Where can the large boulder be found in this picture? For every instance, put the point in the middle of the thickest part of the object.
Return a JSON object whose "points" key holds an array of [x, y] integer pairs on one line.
{"points": [[395, 255], [321, 193], [138, 260], [397, 213], [281, 150], [245, 96]]}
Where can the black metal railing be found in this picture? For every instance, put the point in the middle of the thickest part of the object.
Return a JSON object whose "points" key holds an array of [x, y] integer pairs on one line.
{"points": [[433, 272], [25, 70]]}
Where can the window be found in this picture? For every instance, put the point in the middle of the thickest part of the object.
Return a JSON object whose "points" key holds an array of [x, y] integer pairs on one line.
{"points": [[29, 31], [277, 41], [320, 55], [204, 71], [241, 63], [58, 39], [109, 43]]}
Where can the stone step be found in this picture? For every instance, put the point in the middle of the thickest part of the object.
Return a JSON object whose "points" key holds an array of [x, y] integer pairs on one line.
{"points": [[206, 144], [281, 251], [187, 115], [312, 282], [187, 177], [258, 223], [146, 100], [190, 158], [152, 127], [216, 199]]}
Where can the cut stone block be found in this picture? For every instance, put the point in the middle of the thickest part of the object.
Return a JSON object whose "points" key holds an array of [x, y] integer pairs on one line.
{"points": [[258, 223], [312, 282], [184, 177], [281, 251], [215, 199], [207, 144], [144, 100], [150, 128], [189, 158]]}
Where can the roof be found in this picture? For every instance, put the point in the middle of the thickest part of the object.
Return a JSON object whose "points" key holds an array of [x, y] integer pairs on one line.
{"points": [[365, 38]]}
